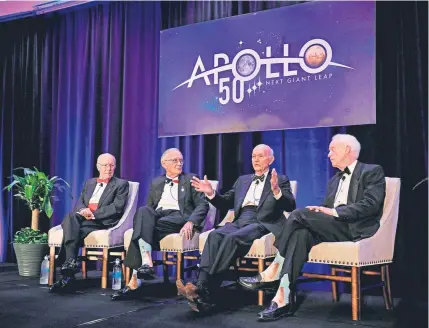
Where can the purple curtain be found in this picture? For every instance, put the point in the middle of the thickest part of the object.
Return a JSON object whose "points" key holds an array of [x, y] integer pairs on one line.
{"points": [[84, 81]]}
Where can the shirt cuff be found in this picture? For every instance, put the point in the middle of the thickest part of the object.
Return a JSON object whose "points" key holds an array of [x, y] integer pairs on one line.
{"points": [[277, 197], [335, 212], [212, 196]]}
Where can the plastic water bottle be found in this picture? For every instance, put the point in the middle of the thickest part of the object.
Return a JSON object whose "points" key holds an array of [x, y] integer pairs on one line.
{"points": [[117, 275], [44, 271]]}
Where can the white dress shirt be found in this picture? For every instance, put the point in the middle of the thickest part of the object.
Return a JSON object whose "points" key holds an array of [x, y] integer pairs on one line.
{"points": [[169, 199], [98, 191], [254, 192], [343, 188]]}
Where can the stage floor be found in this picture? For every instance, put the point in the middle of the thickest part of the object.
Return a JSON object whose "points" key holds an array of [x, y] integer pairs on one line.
{"points": [[25, 303]]}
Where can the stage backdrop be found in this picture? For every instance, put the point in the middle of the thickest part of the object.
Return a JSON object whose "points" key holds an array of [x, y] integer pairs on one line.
{"points": [[81, 82], [310, 65]]}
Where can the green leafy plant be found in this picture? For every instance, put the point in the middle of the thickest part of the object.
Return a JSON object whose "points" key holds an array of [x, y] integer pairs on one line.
{"points": [[30, 236], [35, 189]]}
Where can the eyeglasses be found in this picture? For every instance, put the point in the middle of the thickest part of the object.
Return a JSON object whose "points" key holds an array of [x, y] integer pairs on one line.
{"points": [[105, 166], [175, 161]]}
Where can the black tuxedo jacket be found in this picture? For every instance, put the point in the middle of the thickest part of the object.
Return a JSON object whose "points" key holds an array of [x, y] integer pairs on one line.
{"points": [[113, 200], [269, 211], [365, 199], [192, 204]]}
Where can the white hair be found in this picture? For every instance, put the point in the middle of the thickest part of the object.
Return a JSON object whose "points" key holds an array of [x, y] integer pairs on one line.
{"points": [[348, 140], [270, 150], [104, 155], [167, 152]]}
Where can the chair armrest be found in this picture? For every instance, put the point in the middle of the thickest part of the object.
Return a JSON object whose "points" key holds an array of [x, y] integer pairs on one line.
{"points": [[229, 217], [117, 232], [263, 247], [176, 242], [127, 238], [202, 240], [55, 236]]}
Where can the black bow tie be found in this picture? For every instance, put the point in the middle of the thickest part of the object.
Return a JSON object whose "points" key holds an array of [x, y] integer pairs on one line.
{"points": [[346, 171], [168, 180], [260, 178]]}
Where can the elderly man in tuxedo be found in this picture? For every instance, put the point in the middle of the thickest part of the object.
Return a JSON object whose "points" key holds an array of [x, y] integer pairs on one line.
{"points": [[258, 201], [173, 206], [351, 211], [100, 206]]}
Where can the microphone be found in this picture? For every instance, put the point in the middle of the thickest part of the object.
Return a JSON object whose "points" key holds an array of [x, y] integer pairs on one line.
{"points": [[101, 184], [171, 184], [257, 182]]}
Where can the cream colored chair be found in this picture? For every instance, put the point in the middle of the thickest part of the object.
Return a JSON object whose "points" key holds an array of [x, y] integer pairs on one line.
{"points": [[374, 251], [262, 248], [176, 244], [107, 240]]}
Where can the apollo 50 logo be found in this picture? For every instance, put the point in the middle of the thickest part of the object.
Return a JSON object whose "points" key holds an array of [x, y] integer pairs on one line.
{"points": [[314, 57]]}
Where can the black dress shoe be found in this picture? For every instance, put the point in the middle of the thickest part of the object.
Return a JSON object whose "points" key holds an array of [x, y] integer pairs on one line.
{"points": [[65, 284], [255, 283], [201, 306], [124, 293], [69, 267], [146, 272], [199, 296], [273, 312]]}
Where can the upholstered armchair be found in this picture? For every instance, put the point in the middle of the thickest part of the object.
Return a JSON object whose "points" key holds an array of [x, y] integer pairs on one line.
{"points": [[261, 250], [175, 246], [362, 257], [106, 240]]}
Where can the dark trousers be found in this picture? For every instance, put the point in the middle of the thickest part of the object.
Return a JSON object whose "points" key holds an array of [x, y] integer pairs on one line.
{"points": [[151, 226], [301, 231], [225, 244], [75, 229]]}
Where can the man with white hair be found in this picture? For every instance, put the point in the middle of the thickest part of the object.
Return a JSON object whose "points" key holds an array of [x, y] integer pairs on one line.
{"points": [[100, 206], [258, 201], [351, 211], [173, 206]]}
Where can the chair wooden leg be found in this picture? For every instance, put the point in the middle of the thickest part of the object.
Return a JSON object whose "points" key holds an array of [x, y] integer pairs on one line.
{"points": [[127, 275], [51, 265], [165, 267], [83, 263], [356, 291], [385, 295], [334, 285], [123, 265], [261, 268], [389, 292], [179, 266], [104, 273]]}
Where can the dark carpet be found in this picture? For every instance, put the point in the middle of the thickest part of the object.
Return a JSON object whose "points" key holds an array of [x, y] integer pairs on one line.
{"points": [[25, 303]]}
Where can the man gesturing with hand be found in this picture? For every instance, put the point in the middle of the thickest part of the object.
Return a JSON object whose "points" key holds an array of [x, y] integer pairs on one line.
{"points": [[258, 201]]}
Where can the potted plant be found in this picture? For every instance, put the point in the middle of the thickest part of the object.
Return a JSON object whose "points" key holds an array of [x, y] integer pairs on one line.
{"points": [[35, 189]]}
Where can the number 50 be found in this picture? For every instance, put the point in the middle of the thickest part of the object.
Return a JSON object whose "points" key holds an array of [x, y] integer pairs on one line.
{"points": [[223, 87]]}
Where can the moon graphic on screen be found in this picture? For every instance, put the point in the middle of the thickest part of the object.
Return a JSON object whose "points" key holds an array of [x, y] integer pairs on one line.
{"points": [[246, 65]]}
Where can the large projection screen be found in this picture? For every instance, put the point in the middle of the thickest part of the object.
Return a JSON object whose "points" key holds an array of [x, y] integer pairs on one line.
{"points": [[301, 66]]}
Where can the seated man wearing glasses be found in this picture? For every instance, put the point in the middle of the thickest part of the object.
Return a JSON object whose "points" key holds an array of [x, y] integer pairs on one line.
{"points": [[173, 206], [100, 206]]}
